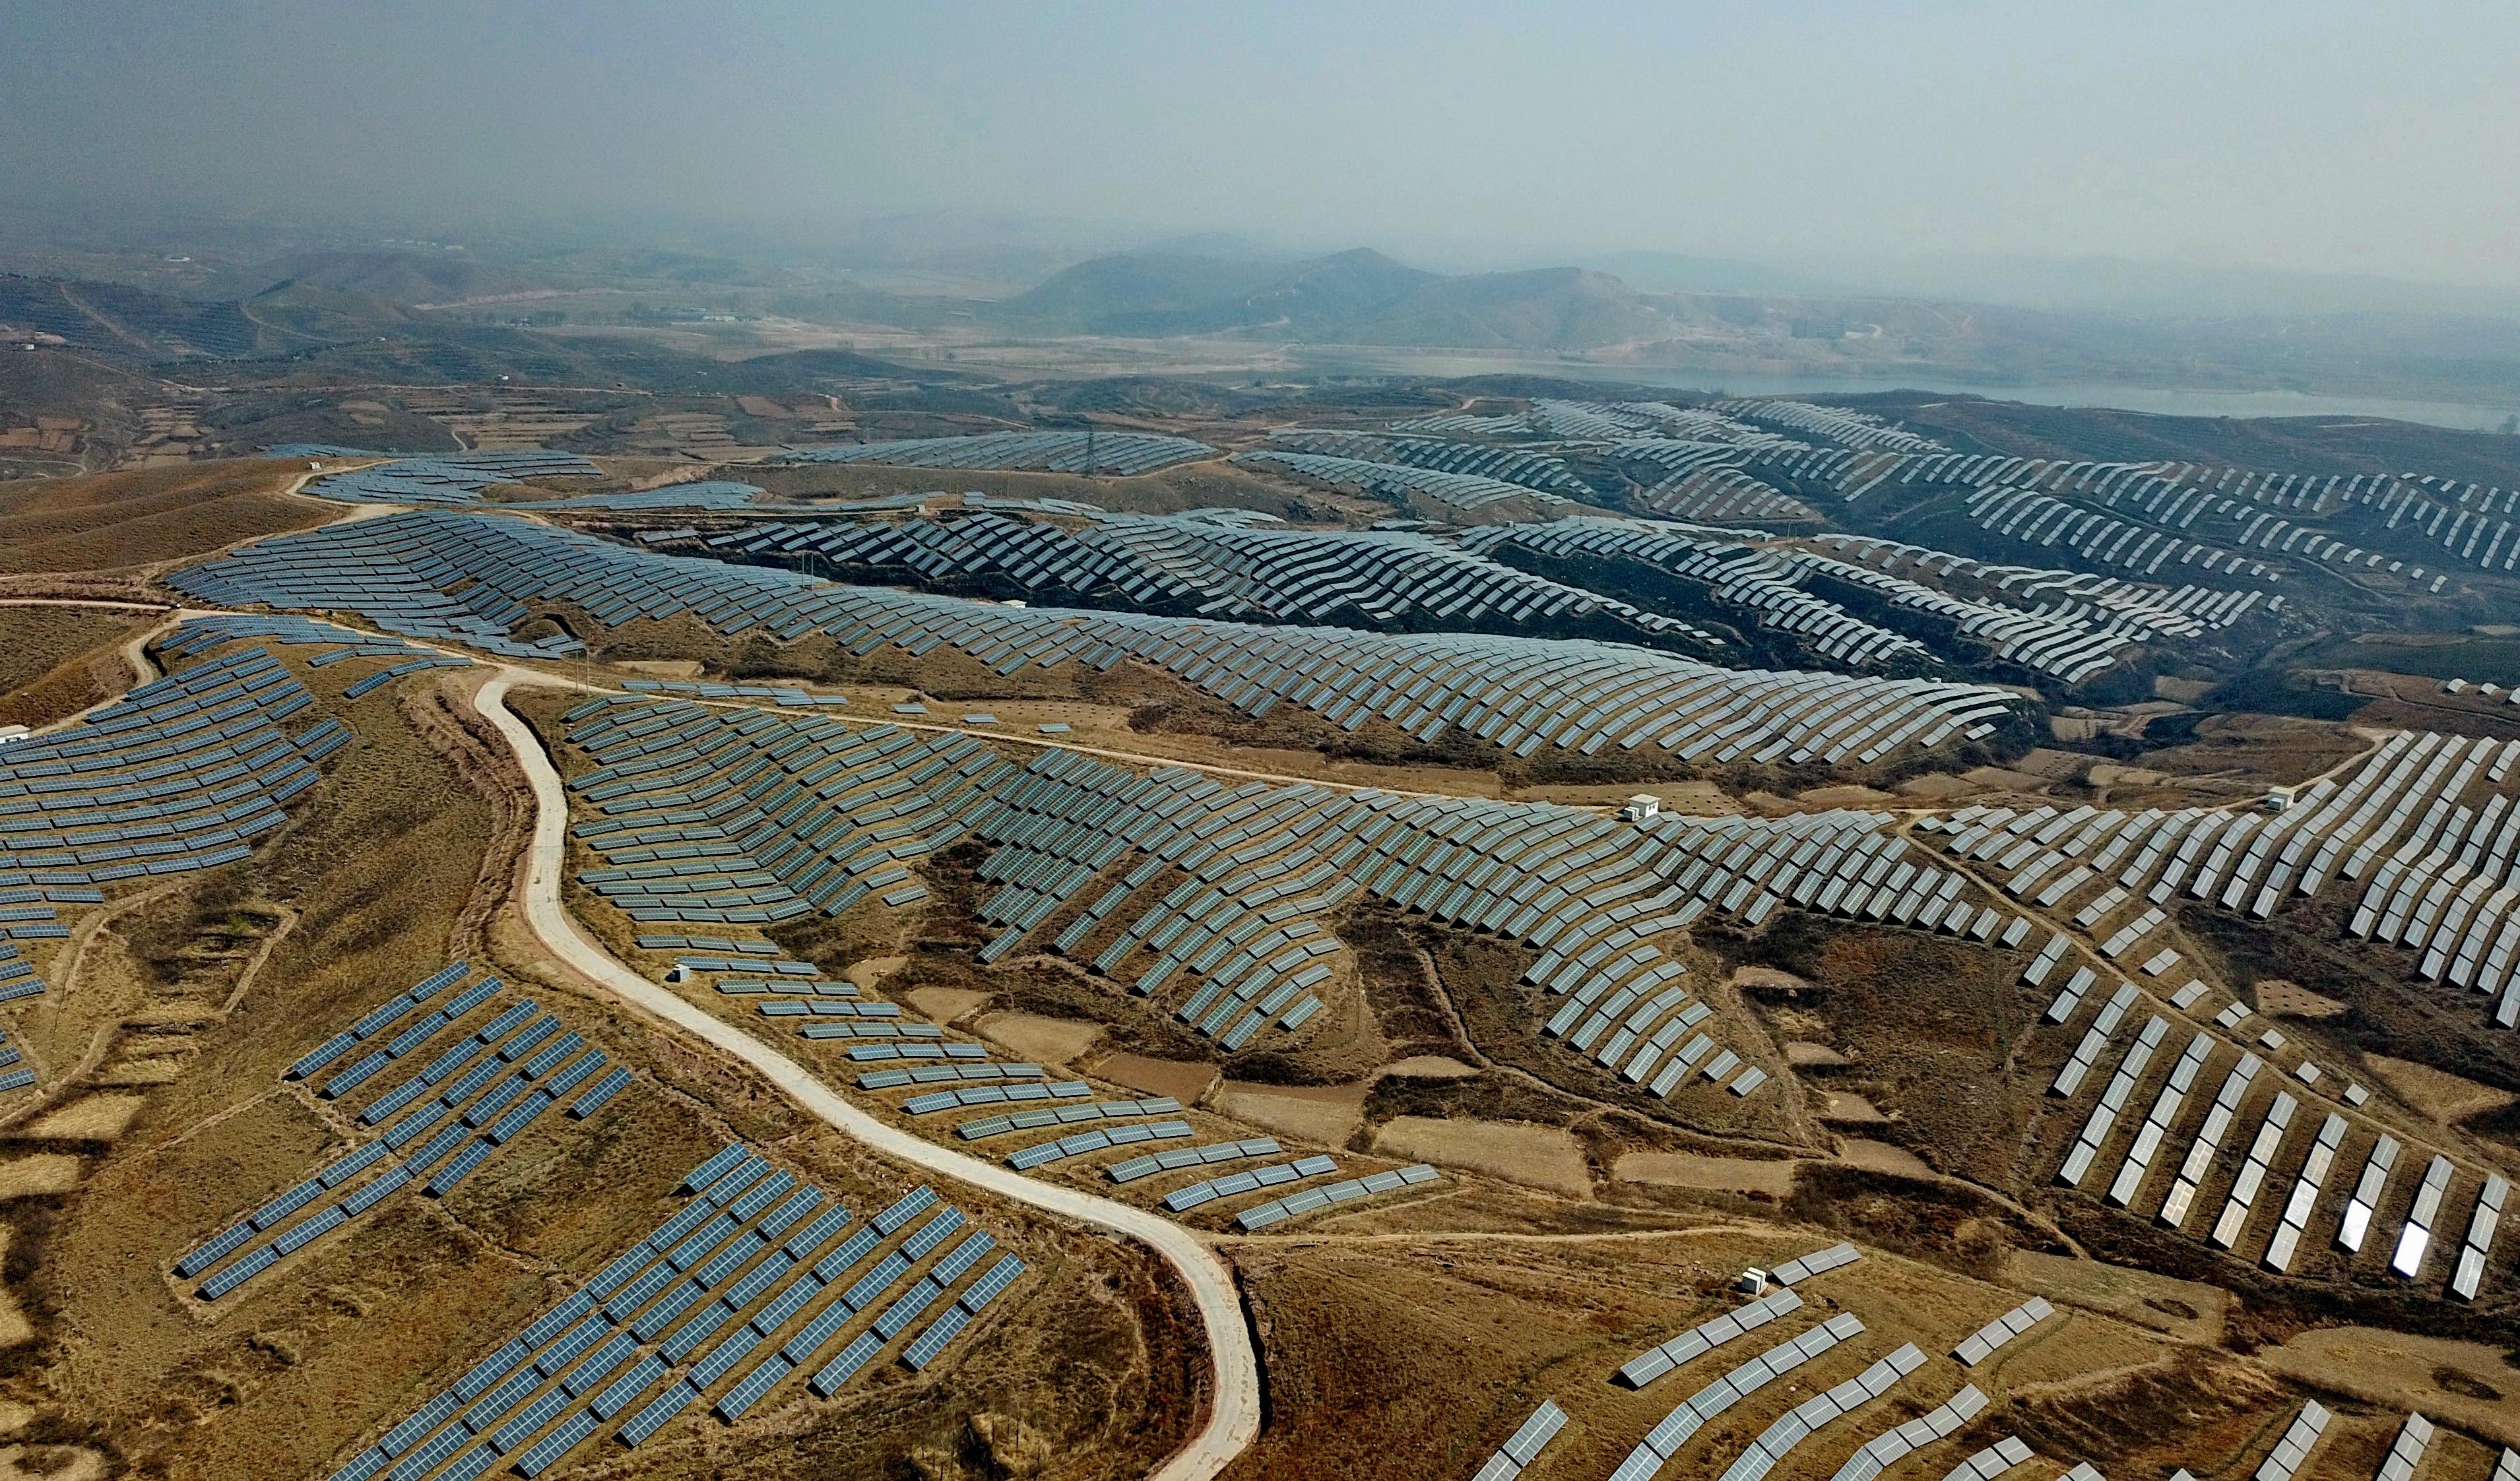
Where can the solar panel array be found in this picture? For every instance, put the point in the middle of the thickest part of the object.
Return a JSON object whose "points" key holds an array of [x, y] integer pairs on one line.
{"points": [[194, 636], [1818, 1262], [1773, 1446], [1663, 1442], [1733, 573], [1509, 465], [1835, 424], [1214, 900], [2406, 1450], [13, 1076], [777, 694], [394, 573], [1461, 493], [1191, 566], [2429, 823], [2069, 649], [1940, 1423], [179, 774], [2036, 518], [1709, 1335], [1719, 494], [746, 817], [1713, 463], [1206, 1190], [1980, 1345], [2461, 521], [2254, 1124], [437, 478], [1517, 693], [1777, 1441], [1296, 1204], [749, 1284], [716, 495], [1993, 1461], [1523, 1446], [1566, 420], [2299, 1438], [1062, 452], [2141, 610], [491, 1075]]}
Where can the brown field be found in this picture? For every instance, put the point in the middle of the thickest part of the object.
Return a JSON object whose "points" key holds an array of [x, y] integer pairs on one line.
{"points": [[1774, 1177], [2259, 749], [58, 661], [38, 1174], [2438, 1095], [2467, 1383], [2188, 1310], [2280, 999], [1538, 1156], [1030, 1036], [1326, 1114], [35, 640], [113, 522], [1406, 1359], [1186, 1081]]}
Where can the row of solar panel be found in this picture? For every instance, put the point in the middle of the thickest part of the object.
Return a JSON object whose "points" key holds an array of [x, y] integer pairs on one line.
{"points": [[750, 1281]]}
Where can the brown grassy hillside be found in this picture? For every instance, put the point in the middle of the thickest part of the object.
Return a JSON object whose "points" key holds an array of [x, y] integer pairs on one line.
{"points": [[107, 522]]}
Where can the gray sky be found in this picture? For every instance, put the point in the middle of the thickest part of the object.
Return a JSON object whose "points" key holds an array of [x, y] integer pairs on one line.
{"points": [[2314, 135]]}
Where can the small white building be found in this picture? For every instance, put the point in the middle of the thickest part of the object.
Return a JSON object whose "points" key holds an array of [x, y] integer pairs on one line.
{"points": [[1641, 806]]}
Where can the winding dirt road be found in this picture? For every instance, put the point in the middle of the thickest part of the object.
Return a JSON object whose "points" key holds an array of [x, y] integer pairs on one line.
{"points": [[1234, 1418]]}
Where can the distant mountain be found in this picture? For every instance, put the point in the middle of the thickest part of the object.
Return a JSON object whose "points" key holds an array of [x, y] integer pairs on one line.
{"points": [[394, 276], [1679, 273], [1549, 308], [1330, 292], [322, 315], [1132, 293], [1180, 293], [130, 322], [1359, 296]]}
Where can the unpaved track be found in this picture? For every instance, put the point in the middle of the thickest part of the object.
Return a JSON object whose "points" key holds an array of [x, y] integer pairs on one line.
{"points": [[1235, 1416]]}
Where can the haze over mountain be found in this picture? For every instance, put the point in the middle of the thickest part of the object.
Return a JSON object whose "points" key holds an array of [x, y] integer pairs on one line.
{"points": [[2300, 137]]}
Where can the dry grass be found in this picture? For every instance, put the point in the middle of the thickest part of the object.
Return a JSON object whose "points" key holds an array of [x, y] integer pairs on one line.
{"points": [[1185, 1079], [58, 661], [34, 639], [1538, 1156], [38, 1174], [1328, 1116], [2467, 1383], [1729, 1175], [109, 521], [1044, 1040], [1415, 1359]]}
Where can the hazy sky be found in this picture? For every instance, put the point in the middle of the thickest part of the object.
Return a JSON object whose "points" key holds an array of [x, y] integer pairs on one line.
{"points": [[2313, 134]]}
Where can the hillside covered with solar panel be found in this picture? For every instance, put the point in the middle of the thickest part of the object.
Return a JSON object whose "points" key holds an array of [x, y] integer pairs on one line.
{"points": [[967, 927]]}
